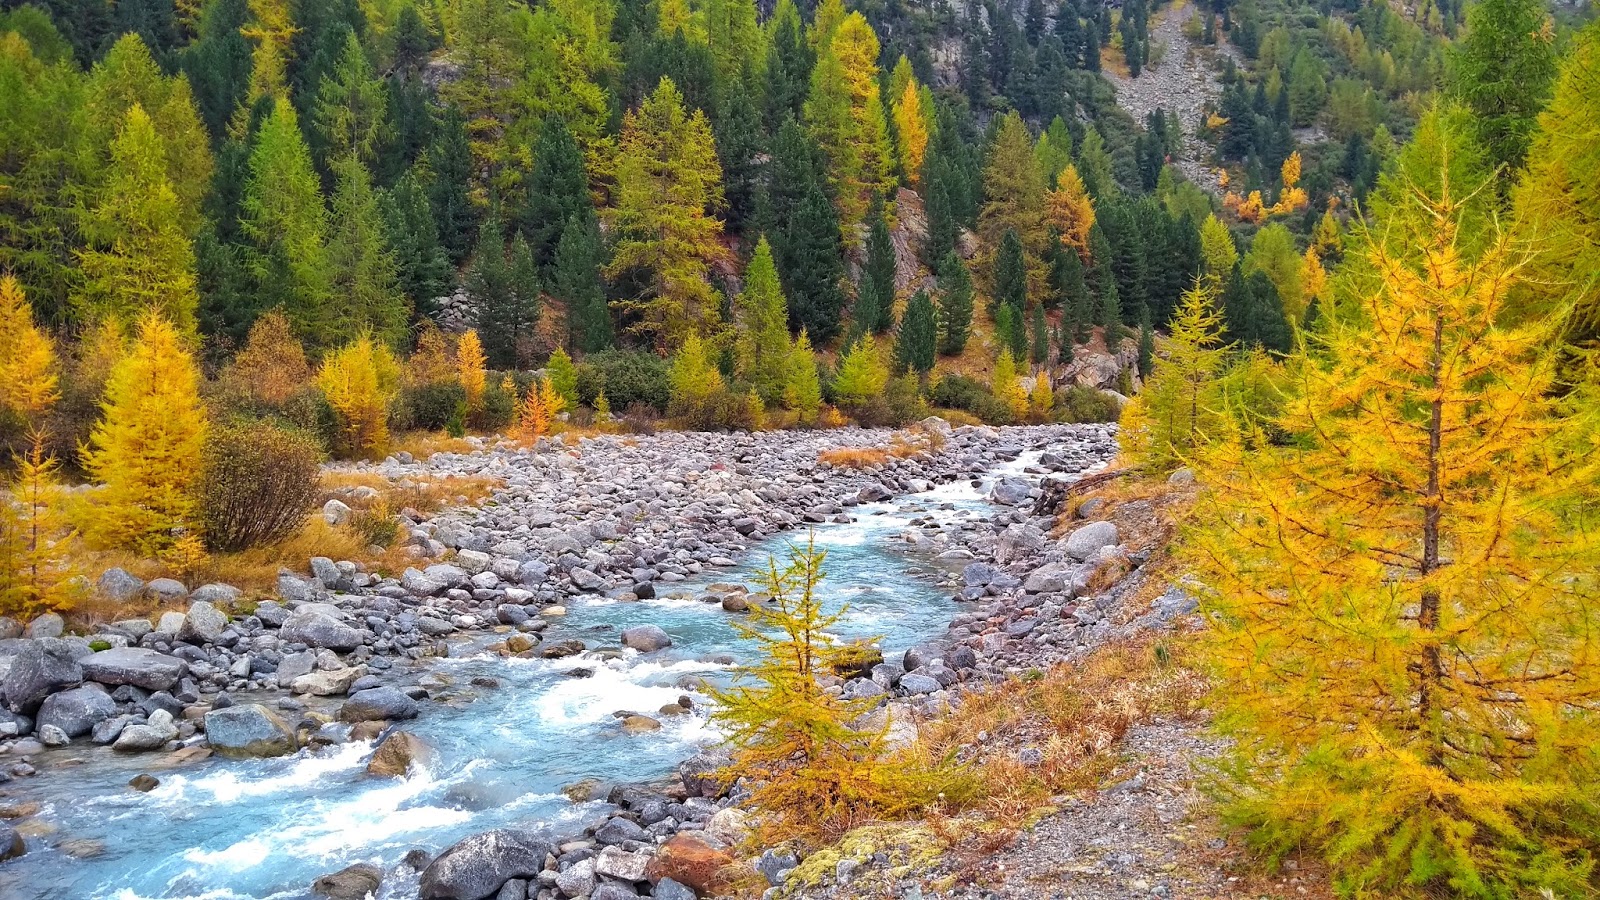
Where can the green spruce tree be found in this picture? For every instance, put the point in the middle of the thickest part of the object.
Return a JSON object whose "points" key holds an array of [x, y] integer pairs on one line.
{"points": [[916, 343], [955, 304]]}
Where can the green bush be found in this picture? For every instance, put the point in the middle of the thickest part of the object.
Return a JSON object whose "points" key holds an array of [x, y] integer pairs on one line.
{"points": [[1081, 403], [499, 408], [430, 406], [969, 395], [259, 482], [629, 378], [376, 524], [900, 403], [310, 413]]}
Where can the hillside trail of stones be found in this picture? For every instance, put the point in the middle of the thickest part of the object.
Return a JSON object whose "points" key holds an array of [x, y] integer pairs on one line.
{"points": [[1183, 82]]}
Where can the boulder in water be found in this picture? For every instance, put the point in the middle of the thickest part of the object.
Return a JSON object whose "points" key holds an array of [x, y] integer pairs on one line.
{"points": [[77, 711], [645, 638], [11, 843], [1011, 490], [249, 730], [396, 755], [354, 883], [31, 670], [378, 703], [478, 866], [153, 735]]}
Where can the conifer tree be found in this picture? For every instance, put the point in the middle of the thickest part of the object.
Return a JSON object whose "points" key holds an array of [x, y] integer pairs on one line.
{"points": [[1011, 331], [1094, 166], [1273, 254], [911, 131], [558, 189], [352, 108], [576, 280], [862, 375], [1217, 251], [741, 150], [1180, 409], [146, 449], [36, 575], [1073, 292], [876, 292], [272, 367], [360, 381], [955, 304], [1415, 564], [471, 370], [29, 382], [789, 62], [1053, 151], [1014, 194], [663, 211], [421, 266], [449, 166], [363, 270], [1147, 343], [696, 385], [802, 389], [1069, 210], [1502, 70], [845, 115], [1108, 315], [917, 341], [1011, 274], [1007, 387], [563, 377], [812, 266], [762, 319], [1041, 398], [538, 409], [1040, 335], [139, 259], [285, 225]]}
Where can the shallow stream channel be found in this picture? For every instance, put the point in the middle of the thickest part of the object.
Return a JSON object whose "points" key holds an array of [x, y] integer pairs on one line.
{"points": [[503, 748]]}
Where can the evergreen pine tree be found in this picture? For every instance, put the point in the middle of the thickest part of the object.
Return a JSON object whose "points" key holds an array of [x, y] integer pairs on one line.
{"points": [[1040, 336], [363, 271], [740, 147], [812, 266], [558, 189], [285, 225], [352, 108], [1147, 343], [576, 280], [1109, 314], [449, 166], [955, 304], [1010, 274], [421, 265], [1503, 69], [916, 343], [877, 277], [1010, 332]]}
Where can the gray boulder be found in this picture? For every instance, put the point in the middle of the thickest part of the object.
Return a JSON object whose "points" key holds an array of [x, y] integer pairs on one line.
{"points": [[979, 574], [203, 625], [645, 638], [375, 704], [1017, 542], [919, 684], [77, 711], [152, 735], [166, 590], [1087, 540], [478, 866], [49, 625], [117, 584], [9, 628], [215, 593], [248, 731], [321, 626], [32, 670], [1011, 491], [11, 843], [336, 512], [355, 882], [131, 665]]}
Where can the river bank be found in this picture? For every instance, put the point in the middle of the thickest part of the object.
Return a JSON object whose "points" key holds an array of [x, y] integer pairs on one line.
{"points": [[599, 525]]}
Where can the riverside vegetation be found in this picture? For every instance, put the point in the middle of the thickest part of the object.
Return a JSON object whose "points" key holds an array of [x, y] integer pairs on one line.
{"points": [[1346, 558]]}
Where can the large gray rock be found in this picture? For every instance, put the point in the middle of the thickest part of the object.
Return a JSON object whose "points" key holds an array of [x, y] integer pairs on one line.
{"points": [[621, 864], [48, 625], [979, 574], [578, 880], [327, 682], [203, 625], [117, 584], [139, 667], [315, 626], [1011, 490], [11, 843], [215, 593], [166, 590], [152, 735], [77, 711], [478, 866], [336, 512], [1017, 542], [645, 638], [32, 670], [355, 882], [379, 703], [1088, 539], [699, 773], [248, 731]]}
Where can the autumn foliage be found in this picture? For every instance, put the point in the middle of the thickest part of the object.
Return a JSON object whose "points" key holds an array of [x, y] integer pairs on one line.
{"points": [[360, 380]]}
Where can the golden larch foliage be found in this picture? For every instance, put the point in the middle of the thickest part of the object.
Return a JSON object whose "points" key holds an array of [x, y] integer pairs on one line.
{"points": [[1007, 387], [28, 379], [146, 449], [1041, 398], [431, 362], [36, 575], [360, 380], [911, 129], [538, 410], [471, 371], [1181, 408], [1070, 210], [272, 367], [1405, 595]]}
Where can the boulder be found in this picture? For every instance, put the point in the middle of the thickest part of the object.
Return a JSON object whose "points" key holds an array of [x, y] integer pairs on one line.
{"points": [[48, 625], [135, 666], [153, 735], [979, 574], [699, 774], [1017, 542], [9, 628], [11, 843], [397, 754], [645, 638], [204, 623], [637, 724], [356, 882], [690, 861], [336, 512], [386, 703], [117, 584], [326, 572], [667, 889], [618, 829], [1011, 491], [578, 880], [315, 626], [623, 864], [170, 623], [328, 683], [729, 826], [31, 670], [166, 590], [919, 684], [249, 731], [1088, 539], [77, 711], [215, 593], [478, 866]]}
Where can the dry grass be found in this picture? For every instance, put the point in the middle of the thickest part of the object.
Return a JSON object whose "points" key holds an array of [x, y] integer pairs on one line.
{"points": [[903, 444], [423, 444], [1075, 715], [853, 457]]}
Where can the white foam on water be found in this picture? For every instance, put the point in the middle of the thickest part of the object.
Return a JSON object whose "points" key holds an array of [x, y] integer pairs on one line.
{"points": [[245, 854], [230, 785], [576, 702], [214, 894]]}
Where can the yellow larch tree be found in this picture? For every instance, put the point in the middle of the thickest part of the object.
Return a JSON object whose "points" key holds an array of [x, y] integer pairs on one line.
{"points": [[36, 573], [272, 367], [1405, 595], [1007, 387], [844, 112], [28, 377], [1069, 209], [430, 362], [538, 410], [911, 131], [360, 380], [1181, 408], [147, 447], [471, 370]]}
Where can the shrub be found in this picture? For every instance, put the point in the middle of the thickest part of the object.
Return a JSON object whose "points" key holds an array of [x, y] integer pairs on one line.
{"points": [[968, 395], [376, 524], [1081, 403], [630, 379], [499, 407], [430, 406], [258, 484], [360, 381]]}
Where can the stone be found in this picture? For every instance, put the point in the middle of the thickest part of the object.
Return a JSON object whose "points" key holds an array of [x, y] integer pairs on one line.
{"points": [[336, 512], [249, 731], [578, 880], [690, 861], [699, 773], [117, 584], [645, 638], [10, 628], [397, 754], [513, 889], [1011, 491], [919, 684], [75, 713], [136, 666], [170, 622], [53, 736], [31, 670], [637, 724], [48, 625], [315, 626], [586, 580], [774, 866], [293, 666], [152, 735], [144, 783], [324, 570], [736, 603], [618, 863], [520, 643], [667, 889], [204, 623], [352, 883], [979, 574], [1181, 476], [328, 683], [1018, 541], [476, 867], [1087, 540], [387, 703], [618, 829], [613, 890], [729, 826], [11, 843], [215, 593], [166, 590], [293, 589]]}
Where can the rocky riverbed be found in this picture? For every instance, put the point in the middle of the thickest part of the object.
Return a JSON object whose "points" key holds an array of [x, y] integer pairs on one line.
{"points": [[335, 657]]}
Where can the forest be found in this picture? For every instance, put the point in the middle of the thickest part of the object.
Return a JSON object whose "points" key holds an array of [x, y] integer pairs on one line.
{"points": [[1356, 298]]}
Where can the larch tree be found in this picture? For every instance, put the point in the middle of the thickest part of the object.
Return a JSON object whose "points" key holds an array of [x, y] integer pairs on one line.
{"points": [[1053, 151], [360, 380], [352, 108], [911, 131], [36, 574], [285, 225], [1006, 386], [472, 370], [761, 317], [271, 29], [1014, 192], [138, 259], [663, 211], [1181, 408], [955, 304], [1273, 253], [845, 115], [1405, 627], [29, 381], [147, 447], [1218, 253], [862, 374], [1502, 70], [802, 388], [363, 270], [563, 377], [734, 36], [1069, 210]]}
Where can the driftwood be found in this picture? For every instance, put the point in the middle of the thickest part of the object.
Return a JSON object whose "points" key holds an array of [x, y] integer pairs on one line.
{"points": [[1054, 494]]}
